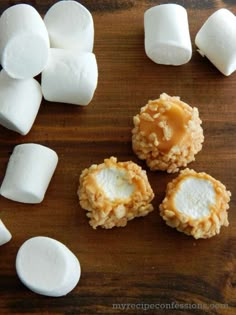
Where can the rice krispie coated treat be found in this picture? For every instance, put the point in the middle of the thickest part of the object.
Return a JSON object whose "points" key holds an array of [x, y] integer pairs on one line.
{"points": [[114, 193], [167, 134], [196, 204]]}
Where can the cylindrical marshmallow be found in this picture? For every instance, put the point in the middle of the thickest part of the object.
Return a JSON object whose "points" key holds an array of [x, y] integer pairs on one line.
{"points": [[19, 102], [70, 26], [24, 42], [70, 77], [47, 266], [5, 235], [167, 38], [29, 171], [217, 40]]}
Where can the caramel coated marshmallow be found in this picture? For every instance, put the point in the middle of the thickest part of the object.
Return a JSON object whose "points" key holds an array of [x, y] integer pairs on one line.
{"points": [[167, 134], [114, 193], [196, 204]]}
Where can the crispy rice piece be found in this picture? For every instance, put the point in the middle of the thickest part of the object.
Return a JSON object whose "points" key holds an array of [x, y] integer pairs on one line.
{"points": [[114, 193], [196, 204], [167, 134]]}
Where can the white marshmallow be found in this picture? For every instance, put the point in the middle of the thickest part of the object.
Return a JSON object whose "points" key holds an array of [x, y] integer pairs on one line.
{"points": [[29, 171], [70, 77], [19, 102], [217, 40], [47, 267], [5, 235], [167, 38], [24, 42], [114, 183], [195, 197], [70, 26]]}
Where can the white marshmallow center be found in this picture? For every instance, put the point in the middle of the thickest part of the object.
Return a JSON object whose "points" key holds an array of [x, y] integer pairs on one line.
{"points": [[114, 183], [195, 197]]}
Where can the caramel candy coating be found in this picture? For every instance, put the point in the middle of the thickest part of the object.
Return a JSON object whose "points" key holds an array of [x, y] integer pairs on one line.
{"points": [[196, 204], [167, 134], [114, 193]]}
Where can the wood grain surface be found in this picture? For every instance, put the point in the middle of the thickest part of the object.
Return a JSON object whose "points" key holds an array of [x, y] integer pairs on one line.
{"points": [[145, 262]]}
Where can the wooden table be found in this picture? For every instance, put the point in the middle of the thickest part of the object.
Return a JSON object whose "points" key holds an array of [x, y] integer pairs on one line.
{"points": [[145, 262]]}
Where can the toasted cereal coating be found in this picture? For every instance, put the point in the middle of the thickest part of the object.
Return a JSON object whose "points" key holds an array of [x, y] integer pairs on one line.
{"points": [[167, 134], [114, 193], [201, 223]]}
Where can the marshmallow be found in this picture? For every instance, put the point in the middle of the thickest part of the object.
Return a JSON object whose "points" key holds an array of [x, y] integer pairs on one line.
{"points": [[216, 40], [5, 235], [70, 26], [194, 197], [29, 171], [24, 42], [167, 133], [167, 38], [70, 77], [196, 204], [114, 193], [19, 102], [114, 183], [47, 267]]}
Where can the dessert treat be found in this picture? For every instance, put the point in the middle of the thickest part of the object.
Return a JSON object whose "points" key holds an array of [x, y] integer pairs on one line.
{"points": [[196, 204], [70, 77], [167, 134], [19, 102], [29, 171], [5, 235], [216, 40], [114, 193], [24, 42], [47, 267], [167, 38], [70, 26]]}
